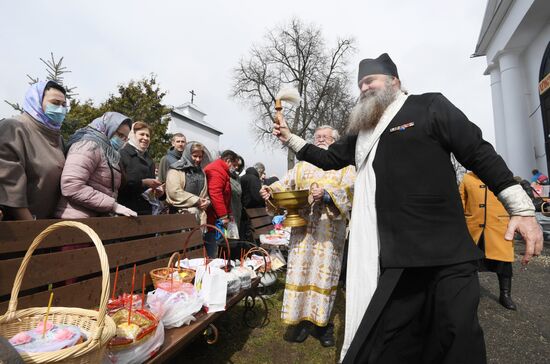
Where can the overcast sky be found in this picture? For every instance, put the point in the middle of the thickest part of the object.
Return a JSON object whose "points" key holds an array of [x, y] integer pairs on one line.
{"points": [[196, 44]]}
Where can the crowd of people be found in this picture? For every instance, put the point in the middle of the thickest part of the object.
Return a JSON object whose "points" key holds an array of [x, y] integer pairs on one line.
{"points": [[105, 169], [412, 288]]}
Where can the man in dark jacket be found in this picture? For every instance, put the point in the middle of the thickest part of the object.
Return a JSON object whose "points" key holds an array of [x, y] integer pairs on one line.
{"points": [[412, 268], [172, 156], [251, 185]]}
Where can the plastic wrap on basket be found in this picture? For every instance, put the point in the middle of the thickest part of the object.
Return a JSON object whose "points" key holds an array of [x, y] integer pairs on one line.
{"points": [[245, 276], [233, 283], [174, 309], [137, 353]]}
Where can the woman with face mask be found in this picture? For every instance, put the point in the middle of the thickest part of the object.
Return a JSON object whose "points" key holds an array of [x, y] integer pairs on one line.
{"points": [[31, 154], [139, 170], [92, 175], [186, 188]]}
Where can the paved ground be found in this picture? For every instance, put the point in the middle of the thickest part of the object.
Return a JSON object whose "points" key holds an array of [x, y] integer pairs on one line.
{"points": [[521, 336]]}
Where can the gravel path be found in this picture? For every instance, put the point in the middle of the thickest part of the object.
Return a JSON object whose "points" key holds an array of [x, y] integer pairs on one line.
{"points": [[521, 336]]}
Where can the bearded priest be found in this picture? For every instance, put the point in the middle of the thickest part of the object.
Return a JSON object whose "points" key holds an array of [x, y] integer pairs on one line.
{"points": [[412, 289]]}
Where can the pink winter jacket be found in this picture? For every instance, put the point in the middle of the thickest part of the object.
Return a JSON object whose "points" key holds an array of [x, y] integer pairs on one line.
{"points": [[86, 186]]}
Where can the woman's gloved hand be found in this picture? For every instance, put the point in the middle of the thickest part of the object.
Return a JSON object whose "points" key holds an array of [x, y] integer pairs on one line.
{"points": [[123, 210]]}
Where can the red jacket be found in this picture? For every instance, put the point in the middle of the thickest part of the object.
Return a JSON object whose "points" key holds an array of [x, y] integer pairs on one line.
{"points": [[219, 189]]}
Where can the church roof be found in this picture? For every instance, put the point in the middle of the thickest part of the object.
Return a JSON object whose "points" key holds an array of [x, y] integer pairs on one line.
{"points": [[495, 12], [192, 114]]}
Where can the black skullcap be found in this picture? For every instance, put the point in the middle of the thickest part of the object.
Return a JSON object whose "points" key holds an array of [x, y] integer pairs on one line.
{"points": [[382, 65]]}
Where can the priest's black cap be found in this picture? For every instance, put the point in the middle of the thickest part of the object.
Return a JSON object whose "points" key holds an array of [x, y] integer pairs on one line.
{"points": [[382, 65]]}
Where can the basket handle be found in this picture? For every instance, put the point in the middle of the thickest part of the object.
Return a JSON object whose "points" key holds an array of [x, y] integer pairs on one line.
{"points": [[199, 228], [105, 279], [266, 256], [177, 264]]}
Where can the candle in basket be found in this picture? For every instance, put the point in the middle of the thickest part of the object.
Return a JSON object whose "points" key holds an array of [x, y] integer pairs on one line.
{"points": [[114, 284], [44, 326], [132, 294], [143, 291]]}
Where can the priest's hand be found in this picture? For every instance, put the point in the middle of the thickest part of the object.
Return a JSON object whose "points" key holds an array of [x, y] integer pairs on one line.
{"points": [[265, 192], [317, 193], [280, 129], [531, 232]]}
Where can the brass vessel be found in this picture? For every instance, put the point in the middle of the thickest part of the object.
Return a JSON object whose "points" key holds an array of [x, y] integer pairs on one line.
{"points": [[292, 201]]}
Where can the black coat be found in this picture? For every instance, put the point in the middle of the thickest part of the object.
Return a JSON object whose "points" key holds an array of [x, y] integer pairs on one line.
{"points": [[135, 169], [251, 185], [419, 213]]}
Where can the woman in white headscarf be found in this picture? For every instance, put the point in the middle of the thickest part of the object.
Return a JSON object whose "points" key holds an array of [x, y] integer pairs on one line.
{"points": [[186, 187]]}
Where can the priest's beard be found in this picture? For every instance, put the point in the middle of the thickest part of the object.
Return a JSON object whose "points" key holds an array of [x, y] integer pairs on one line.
{"points": [[370, 107]]}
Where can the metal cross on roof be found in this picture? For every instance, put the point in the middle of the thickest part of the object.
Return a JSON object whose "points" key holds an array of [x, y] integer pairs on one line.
{"points": [[193, 94]]}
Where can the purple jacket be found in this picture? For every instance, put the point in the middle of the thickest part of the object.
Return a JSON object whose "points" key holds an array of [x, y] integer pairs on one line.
{"points": [[88, 183]]}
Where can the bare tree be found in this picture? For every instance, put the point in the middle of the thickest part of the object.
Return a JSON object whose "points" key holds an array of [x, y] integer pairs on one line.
{"points": [[295, 55]]}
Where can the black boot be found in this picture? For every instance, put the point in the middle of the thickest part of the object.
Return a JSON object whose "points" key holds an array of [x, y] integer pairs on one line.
{"points": [[505, 299], [325, 334], [299, 333]]}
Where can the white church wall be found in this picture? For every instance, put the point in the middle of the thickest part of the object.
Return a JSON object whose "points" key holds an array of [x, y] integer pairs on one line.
{"points": [[196, 133]]}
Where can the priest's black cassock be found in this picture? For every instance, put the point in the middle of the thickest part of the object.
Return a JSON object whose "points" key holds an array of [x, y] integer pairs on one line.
{"points": [[425, 305]]}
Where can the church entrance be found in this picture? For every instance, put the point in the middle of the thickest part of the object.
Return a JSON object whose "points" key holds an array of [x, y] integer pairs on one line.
{"points": [[544, 92]]}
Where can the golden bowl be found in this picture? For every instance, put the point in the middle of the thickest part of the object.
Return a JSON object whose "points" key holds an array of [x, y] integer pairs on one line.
{"points": [[292, 202]]}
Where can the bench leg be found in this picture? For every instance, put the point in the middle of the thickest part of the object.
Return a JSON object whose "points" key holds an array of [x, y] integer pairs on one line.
{"points": [[251, 316], [211, 334]]}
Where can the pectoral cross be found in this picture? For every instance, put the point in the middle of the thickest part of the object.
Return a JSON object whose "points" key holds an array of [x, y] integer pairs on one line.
{"points": [[193, 94]]}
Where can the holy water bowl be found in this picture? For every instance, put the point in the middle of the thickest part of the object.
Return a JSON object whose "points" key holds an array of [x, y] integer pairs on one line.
{"points": [[292, 202]]}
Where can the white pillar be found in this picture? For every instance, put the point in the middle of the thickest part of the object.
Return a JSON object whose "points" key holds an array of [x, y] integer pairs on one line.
{"points": [[520, 157], [498, 113]]}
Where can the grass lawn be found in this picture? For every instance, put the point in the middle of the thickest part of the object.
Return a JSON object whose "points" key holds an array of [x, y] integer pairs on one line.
{"points": [[239, 344]]}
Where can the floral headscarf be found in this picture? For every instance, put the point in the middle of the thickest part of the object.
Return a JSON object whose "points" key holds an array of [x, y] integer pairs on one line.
{"points": [[100, 131]]}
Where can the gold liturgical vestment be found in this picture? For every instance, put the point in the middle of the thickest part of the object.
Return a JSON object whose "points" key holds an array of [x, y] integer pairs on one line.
{"points": [[316, 250]]}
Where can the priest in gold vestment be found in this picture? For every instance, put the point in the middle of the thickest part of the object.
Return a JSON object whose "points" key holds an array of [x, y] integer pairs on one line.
{"points": [[316, 250]]}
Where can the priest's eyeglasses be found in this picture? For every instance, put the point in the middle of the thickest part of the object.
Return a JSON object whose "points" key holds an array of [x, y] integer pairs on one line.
{"points": [[328, 138]]}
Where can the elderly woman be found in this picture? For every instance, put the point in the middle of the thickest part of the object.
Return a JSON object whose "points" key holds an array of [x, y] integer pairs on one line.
{"points": [[139, 170], [31, 154], [186, 188], [92, 175]]}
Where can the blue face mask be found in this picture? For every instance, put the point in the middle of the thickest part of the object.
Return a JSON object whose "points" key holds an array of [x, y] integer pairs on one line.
{"points": [[56, 113], [116, 142]]}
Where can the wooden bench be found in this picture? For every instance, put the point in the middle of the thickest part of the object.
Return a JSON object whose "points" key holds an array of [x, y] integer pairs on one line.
{"points": [[146, 241], [260, 222]]}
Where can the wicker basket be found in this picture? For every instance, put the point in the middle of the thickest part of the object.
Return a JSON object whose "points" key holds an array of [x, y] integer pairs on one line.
{"points": [[99, 327], [159, 275], [200, 229], [266, 256]]}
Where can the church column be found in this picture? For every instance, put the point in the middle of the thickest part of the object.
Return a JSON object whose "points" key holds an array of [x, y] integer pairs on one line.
{"points": [[498, 112], [520, 156]]}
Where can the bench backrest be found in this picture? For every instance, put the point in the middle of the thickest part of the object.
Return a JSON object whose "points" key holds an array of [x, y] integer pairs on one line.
{"points": [[260, 221], [147, 241]]}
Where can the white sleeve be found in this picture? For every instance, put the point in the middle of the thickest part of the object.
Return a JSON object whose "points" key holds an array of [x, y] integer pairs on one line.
{"points": [[295, 143], [516, 201]]}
